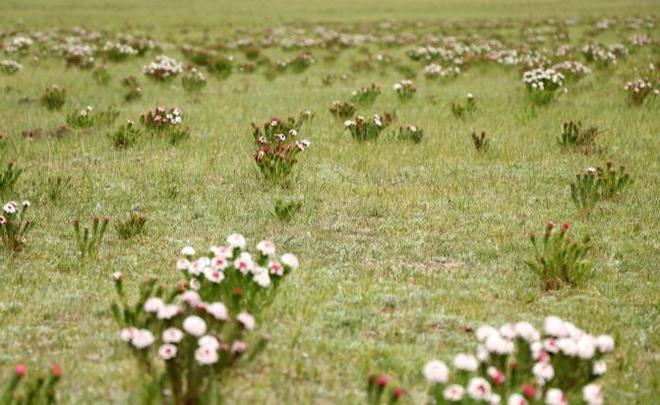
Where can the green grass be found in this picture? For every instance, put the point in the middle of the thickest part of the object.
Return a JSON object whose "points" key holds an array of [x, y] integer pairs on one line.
{"points": [[402, 246]]}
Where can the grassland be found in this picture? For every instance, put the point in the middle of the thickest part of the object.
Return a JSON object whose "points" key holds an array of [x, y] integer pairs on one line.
{"points": [[403, 247]]}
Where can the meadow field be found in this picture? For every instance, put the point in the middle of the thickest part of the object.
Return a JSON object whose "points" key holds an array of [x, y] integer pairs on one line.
{"points": [[405, 246]]}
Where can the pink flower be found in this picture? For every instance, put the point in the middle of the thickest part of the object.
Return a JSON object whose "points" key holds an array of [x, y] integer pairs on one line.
{"points": [[20, 370], [206, 355], [194, 325], [172, 335], [167, 351], [218, 310], [246, 320]]}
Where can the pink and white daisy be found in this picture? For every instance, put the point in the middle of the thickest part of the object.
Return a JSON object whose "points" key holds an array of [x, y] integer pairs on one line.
{"points": [[478, 389], [246, 320], [555, 396], [210, 341], [453, 393], [436, 372], [465, 362], [218, 310], [206, 355], [214, 275], [167, 351], [266, 247], [194, 325], [153, 305], [172, 335], [236, 241], [169, 311], [289, 261], [592, 394], [142, 338]]}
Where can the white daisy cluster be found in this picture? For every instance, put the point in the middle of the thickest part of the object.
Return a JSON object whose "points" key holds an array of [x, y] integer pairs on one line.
{"points": [[640, 89], [434, 71], [13, 224], [18, 43], [572, 68], [163, 68], [601, 56], [362, 128], [78, 54], [10, 67], [543, 79], [206, 323], [162, 117], [118, 51], [405, 89], [527, 364]]}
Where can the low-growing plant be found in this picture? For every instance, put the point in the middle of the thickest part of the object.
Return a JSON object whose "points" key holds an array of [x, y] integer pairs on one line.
{"points": [[480, 142], [640, 90], [163, 69], [8, 178], [542, 84], [117, 52], [89, 239], [405, 89], [342, 110], [411, 133], [558, 259], [574, 135], [301, 62], [285, 210], [55, 187], [131, 226], [81, 119], [187, 338], [54, 97], [278, 146], [596, 184], [365, 129], [459, 110], [167, 122], [517, 364], [10, 67], [102, 75], [37, 391], [14, 225], [134, 91], [125, 136], [193, 80], [381, 391], [366, 95]]}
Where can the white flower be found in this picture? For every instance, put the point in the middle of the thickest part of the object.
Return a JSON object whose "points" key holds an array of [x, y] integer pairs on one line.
{"points": [[482, 354], [499, 345], [188, 251], [218, 310], [266, 248], [153, 305], [592, 394], [206, 355], [182, 264], [600, 367], [586, 347], [236, 241], [289, 261], [214, 276], [221, 252], [25, 204], [526, 331], [126, 334], [117, 275], [605, 343], [219, 263], [349, 123], [508, 331], [238, 347], [275, 268], [555, 396], [262, 278], [197, 267], [244, 263], [142, 338], [436, 372], [516, 399], [172, 335], [453, 393], [478, 389], [550, 345], [567, 346], [246, 320], [9, 208], [168, 311], [484, 331], [194, 325], [167, 351], [191, 298], [543, 371], [194, 284], [494, 399], [210, 341], [465, 362]]}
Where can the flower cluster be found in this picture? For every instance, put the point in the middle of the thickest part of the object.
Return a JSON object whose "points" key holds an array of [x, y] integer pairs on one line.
{"points": [[278, 146], [380, 390], [163, 68], [167, 121], [364, 129], [10, 67], [54, 97], [19, 43], [602, 57], [79, 55], [14, 225], [116, 51], [596, 184], [405, 89], [342, 110], [521, 365], [641, 89], [558, 259], [366, 95], [572, 70], [20, 390], [411, 133], [201, 329], [542, 84], [435, 71], [193, 80]]}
